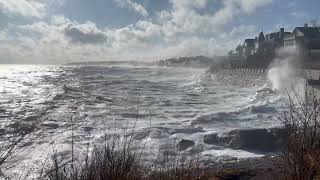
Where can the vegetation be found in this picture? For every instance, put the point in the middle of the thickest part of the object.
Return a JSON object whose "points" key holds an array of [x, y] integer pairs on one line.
{"points": [[301, 157]]}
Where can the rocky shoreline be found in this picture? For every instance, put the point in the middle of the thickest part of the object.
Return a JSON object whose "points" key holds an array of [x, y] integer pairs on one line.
{"points": [[268, 167], [266, 141]]}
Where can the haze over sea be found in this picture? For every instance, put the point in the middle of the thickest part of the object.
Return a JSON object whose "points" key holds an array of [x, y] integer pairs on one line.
{"points": [[171, 103]]}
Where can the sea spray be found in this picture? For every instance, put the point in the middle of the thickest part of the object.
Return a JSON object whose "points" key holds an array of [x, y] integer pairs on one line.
{"points": [[284, 74]]}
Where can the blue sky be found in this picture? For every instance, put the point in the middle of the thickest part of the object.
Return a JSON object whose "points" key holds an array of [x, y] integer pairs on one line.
{"points": [[61, 31]]}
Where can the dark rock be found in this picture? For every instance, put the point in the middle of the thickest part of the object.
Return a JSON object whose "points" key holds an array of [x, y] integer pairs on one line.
{"points": [[256, 140], [217, 140], [211, 138], [261, 140], [185, 144]]}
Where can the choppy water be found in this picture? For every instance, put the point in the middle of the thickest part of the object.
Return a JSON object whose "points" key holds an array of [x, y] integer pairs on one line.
{"points": [[178, 102]]}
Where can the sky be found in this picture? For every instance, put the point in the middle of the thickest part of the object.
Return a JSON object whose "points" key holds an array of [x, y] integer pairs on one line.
{"points": [[63, 31]]}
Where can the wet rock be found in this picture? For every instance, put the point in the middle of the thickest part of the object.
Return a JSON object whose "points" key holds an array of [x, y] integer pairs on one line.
{"points": [[216, 139], [211, 138], [255, 140], [261, 140], [185, 144], [262, 109]]}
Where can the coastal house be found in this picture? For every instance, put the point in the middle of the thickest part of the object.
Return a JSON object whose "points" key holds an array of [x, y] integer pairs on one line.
{"points": [[306, 40], [260, 51], [249, 47], [259, 42], [277, 37], [264, 44]]}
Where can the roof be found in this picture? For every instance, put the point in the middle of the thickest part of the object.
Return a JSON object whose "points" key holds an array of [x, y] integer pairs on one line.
{"points": [[311, 32], [250, 42], [261, 37]]}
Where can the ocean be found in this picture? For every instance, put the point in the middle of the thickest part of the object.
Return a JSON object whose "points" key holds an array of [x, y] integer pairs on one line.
{"points": [[156, 106]]}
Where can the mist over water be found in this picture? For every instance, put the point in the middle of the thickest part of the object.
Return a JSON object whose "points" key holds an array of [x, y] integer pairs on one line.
{"points": [[182, 103], [284, 73]]}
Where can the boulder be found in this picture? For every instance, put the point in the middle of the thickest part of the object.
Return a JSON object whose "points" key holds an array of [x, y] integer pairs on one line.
{"points": [[216, 139], [261, 140], [185, 144], [255, 140], [211, 138]]}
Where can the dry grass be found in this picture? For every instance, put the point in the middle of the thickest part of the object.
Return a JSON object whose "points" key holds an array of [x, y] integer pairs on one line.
{"points": [[301, 156]]}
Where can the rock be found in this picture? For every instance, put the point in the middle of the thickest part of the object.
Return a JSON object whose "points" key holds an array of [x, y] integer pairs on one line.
{"points": [[185, 144], [211, 138], [217, 140], [256, 140], [261, 140]]}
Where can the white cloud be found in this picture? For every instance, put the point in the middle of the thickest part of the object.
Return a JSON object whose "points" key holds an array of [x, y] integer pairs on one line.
{"points": [[28, 8], [179, 31], [250, 5], [87, 33], [133, 5]]}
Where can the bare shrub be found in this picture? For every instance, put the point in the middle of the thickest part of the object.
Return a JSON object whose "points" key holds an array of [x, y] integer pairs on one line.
{"points": [[11, 139], [103, 163], [301, 155]]}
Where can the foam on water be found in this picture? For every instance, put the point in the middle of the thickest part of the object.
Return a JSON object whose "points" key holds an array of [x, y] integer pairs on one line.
{"points": [[181, 103]]}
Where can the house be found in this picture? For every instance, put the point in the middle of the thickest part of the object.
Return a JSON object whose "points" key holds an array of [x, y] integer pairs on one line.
{"points": [[259, 42], [249, 47], [260, 51], [306, 40]]}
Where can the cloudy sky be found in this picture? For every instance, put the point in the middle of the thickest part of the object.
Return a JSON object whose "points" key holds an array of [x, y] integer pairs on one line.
{"points": [[61, 31]]}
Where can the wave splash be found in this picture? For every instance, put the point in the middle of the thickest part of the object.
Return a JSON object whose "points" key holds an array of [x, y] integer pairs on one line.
{"points": [[284, 74]]}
